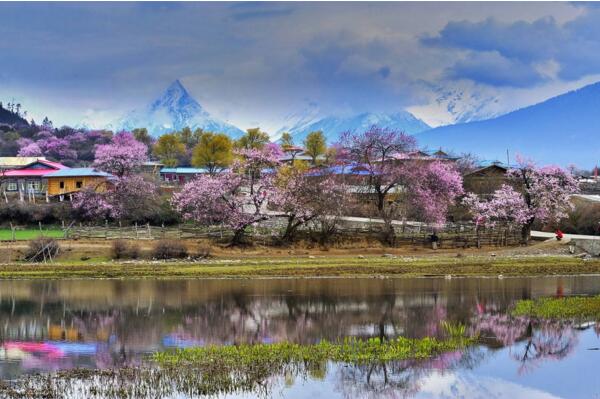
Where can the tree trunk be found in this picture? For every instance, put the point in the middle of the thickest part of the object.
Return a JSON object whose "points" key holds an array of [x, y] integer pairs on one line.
{"points": [[238, 236], [525, 234], [290, 230]]}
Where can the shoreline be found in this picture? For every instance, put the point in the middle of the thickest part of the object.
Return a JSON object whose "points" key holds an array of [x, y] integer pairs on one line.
{"points": [[311, 267]]}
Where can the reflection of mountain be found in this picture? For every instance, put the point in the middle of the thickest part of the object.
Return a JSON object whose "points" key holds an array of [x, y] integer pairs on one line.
{"points": [[466, 385], [174, 110]]}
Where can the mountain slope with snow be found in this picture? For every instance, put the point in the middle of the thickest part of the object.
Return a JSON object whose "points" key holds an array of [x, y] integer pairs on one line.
{"points": [[174, 110], [333, 126], [561, 130]]}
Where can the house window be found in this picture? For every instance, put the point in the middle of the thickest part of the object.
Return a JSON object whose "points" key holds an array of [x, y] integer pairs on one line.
{"points": [[61, 185], [34, 186], [12, 186], [79, 184]]}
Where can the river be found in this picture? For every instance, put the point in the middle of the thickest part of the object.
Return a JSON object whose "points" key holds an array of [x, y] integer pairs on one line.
{"points": [[47, 326]]}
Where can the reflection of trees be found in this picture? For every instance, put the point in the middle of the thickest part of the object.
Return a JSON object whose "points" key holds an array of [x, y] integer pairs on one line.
{"points": [[531, 341], [398, 379]]}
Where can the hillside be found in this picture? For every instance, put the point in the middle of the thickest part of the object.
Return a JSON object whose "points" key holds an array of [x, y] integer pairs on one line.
{"points": [[562, 130], [11, 118]]}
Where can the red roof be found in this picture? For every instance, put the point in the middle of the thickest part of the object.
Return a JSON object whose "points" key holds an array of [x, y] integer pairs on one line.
{"points": [[29, 171]]}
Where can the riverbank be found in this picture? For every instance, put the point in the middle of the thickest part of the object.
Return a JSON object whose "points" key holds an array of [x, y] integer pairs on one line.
{"points": [[312, 266]]}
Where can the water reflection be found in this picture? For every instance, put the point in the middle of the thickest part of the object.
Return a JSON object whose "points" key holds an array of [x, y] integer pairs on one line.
{"points": [[53, 325]]}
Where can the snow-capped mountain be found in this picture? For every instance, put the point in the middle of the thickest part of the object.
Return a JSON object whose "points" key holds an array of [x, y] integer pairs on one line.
{"points": [[561, 130], [459, 104], [333, 126], [174, 110]]}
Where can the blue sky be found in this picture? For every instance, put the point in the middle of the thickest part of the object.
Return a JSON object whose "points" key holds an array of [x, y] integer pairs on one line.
{"points": [[254, 63]]}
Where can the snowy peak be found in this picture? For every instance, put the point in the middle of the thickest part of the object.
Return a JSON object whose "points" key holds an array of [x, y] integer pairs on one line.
{"points": [[173, 110], [333, 126]]}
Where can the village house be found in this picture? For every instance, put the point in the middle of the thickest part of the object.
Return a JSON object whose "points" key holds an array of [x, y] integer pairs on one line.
{"points": [[486, 179], [28, 179], [71, 180], [180, 175]]}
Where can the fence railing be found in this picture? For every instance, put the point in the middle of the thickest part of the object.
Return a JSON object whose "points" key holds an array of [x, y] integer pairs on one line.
{"points": [[451, 235]]}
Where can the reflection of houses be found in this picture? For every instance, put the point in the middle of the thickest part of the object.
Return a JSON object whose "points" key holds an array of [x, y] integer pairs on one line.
{"points": [[71, 180], [180, 175], [486, 179], [29, 179]]}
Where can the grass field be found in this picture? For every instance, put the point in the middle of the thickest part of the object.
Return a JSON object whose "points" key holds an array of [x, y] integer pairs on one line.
{"points": [[29, 234], [370, 266]]}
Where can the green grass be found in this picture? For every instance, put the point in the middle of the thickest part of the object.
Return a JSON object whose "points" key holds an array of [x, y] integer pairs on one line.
{"points": [[579, 308], [217, 370], [30, 234], [370, 266]]}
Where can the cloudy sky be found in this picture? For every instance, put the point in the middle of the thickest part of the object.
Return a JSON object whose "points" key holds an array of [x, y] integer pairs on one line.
{"points": [[254, 63]]}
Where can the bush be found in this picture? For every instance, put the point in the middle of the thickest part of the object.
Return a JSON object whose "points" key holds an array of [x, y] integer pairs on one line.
{"points": [[169, 249], [122, 249], [42, 249], [28, 213]]}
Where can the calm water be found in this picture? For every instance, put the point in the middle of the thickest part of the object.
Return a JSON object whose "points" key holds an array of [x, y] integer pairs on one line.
{"points": [[52, 325]]}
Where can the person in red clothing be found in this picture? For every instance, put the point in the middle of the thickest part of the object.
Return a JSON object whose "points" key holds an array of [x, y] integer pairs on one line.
{"points": [[559, 234]]}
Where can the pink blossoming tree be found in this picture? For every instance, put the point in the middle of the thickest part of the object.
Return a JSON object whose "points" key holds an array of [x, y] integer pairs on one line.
{"points": [[535, 195], [123, 155], [126, 198], [399, 182], [303, 197], [237, 198]]}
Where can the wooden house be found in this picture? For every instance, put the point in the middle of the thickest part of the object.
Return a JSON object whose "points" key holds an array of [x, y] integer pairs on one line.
{"points": [[485, 179], [29, 179], [66, 181]]}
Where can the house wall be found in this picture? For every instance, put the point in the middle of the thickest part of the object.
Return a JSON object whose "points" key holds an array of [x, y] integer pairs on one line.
{"points": [[23, 184], [484, 183], [70, 184]]}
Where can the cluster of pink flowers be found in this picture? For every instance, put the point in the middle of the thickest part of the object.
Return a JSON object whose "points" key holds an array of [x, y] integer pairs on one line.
{"points": [[534, 194], [236, 198], [122, 155]]}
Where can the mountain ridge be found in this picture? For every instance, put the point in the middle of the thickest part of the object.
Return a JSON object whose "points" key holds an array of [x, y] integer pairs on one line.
{"points": [[566, 122], [173, 110], [332, 126]]}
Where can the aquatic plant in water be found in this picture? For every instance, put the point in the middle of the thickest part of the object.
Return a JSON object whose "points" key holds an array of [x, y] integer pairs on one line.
{"points": [[577, 308], [213, 370]]}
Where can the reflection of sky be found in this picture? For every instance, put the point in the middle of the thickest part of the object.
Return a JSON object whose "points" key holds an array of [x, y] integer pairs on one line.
{"points": [[575, 376]]}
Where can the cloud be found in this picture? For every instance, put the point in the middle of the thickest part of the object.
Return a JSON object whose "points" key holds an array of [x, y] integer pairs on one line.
{"points": [[573, 47], [256, 10], [493, 69]]}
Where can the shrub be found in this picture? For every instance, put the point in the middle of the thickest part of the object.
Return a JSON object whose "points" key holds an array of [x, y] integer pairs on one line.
{"points": [[42, 249], [122, 249], [169, 249], [204, 251], [30, 213]]}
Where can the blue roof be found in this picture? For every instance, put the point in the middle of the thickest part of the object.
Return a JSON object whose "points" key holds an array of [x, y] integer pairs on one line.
{"points": [[351, 169], [183, 171], [76, 172]]}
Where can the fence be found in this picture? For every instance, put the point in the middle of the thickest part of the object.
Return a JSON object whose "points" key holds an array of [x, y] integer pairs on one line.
{"points": [[451, 235]]}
